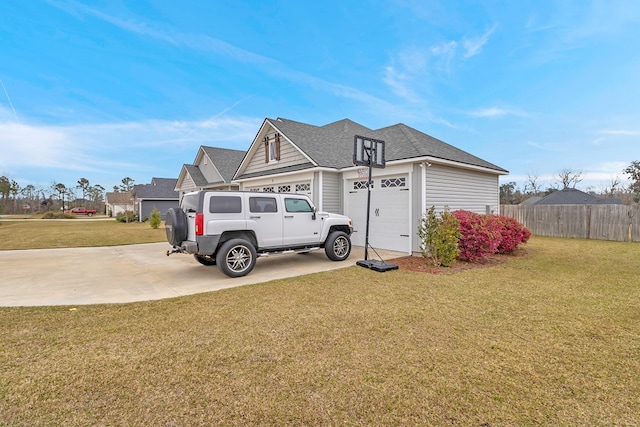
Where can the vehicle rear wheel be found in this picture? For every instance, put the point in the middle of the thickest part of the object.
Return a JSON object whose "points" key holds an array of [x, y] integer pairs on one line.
{"points": [[90, 214], [205, 259], [236, 257], [338, 246], [176, 226]]}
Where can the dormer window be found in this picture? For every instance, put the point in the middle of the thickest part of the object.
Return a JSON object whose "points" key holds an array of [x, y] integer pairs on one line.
{"points": [[272, 148]]}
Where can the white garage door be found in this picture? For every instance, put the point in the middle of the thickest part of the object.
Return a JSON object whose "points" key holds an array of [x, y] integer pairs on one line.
{"points": [[303, 187], [390, 212]]}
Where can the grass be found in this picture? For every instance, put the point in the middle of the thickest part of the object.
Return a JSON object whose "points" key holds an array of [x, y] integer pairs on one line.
{"points": [[80, 232], [549, 338]]}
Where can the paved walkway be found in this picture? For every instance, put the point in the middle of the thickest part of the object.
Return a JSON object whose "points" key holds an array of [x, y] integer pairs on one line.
{"points": [[120, 274]]}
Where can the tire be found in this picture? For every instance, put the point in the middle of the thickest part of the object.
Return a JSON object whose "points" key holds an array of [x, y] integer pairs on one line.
{"points": [[236, 257], [89, 214], [205, 259], [337, 246], [176, 226]]}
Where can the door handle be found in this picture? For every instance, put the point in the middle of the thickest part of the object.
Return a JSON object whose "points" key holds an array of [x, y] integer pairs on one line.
{"points": [[288, 216], [254, 217]]}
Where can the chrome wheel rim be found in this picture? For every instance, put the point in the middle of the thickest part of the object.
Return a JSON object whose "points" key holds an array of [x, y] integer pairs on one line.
{"points": [[239, 258]]}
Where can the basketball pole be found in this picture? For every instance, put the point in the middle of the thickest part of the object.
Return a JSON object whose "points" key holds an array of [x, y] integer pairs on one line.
{"points": [[373, 150], [366, 236]]}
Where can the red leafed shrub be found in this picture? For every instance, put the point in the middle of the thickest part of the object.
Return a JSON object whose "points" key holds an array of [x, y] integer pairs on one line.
{"points": [[485, 235], [513, 234], [479, 236]]}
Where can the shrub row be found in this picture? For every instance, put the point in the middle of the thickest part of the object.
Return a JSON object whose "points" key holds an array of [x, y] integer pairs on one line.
{"points": [[484, 235]]}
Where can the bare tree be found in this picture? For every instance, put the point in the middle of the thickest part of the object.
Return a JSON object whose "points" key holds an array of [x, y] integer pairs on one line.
{"points": [[569, 178], [613, 188], [532, 185]]}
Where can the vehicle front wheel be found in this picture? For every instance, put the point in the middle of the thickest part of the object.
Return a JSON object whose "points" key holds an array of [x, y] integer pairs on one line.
{"points": [[338, 246], [236, 257], [90, 214], [205, 259]]}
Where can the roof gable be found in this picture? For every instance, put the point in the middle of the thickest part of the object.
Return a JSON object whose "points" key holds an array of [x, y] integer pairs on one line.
{"points": [[225, 160]]}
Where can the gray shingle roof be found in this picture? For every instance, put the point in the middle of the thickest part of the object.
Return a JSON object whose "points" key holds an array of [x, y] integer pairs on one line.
{"points": [[332, 145], [160, 188], [573, 196], [196, 175], [225, 160]]}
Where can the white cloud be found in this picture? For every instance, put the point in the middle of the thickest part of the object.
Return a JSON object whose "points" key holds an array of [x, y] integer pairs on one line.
{"points": [[492, 112], [399, 84], [474, 46], [88, 147]]}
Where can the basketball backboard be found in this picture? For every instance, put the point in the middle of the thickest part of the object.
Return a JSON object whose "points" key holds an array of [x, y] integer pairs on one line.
{"points": [[368, 152]]}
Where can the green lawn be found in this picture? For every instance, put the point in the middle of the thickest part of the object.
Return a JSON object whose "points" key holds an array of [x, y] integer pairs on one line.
{"points": [[79, 232], [549, 338]]}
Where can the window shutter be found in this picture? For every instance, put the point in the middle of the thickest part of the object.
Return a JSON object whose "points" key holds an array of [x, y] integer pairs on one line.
{"points": [[277, 146], [266, 149]]}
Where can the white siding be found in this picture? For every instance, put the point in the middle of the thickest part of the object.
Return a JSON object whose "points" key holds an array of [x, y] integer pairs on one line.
{"points": [[208, 170], [461, 189], [187, 185], [289, 156], [331, 192]]}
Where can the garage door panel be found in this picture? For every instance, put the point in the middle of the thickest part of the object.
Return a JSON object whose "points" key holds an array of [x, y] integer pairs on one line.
{"points": [[389, 213]]}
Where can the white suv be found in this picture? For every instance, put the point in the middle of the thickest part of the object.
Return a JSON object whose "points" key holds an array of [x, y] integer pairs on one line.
{"points": [[232, 228]]}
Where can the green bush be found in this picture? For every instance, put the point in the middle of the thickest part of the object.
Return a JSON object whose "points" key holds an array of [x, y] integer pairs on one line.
{"points": [[155, 219], [127, 216], [439, 234]]}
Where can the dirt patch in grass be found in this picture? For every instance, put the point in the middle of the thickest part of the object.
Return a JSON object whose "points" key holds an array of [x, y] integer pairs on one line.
{"points": [[422, 265]]}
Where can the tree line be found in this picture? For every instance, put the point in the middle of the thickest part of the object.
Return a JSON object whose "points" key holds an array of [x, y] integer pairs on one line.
{"points": [[57, 196], [511, 194]]}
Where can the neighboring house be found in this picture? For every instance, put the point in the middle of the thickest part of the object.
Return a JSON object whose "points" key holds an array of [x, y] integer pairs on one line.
{"points": [[420, 172], [119, 202], [572, 196], [212, 169], [160, 194], [531, 200]]}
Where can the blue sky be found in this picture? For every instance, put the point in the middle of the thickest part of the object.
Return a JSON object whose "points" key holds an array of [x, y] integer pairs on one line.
{"points": [[110, 89]]}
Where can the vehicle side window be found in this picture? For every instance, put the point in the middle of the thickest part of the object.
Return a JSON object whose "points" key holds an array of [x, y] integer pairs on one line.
{"points": [[297, 205], [225, 204], [263, 204]]}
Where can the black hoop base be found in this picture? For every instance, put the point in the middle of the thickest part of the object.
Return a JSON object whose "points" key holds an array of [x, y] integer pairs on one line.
{"points": [[376, 265]]}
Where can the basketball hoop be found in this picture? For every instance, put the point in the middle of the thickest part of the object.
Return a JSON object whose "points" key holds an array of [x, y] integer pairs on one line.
{"points": [[369, 152]]}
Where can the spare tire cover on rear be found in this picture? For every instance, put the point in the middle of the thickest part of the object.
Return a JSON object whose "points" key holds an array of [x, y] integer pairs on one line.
{"points": [[176, 226]]}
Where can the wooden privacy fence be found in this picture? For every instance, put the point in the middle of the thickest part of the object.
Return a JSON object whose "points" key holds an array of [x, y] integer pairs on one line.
{"points": [[602, 222]]}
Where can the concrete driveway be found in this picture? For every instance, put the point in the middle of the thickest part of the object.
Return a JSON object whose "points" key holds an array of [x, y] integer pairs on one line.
{"points": [[120, 274]]}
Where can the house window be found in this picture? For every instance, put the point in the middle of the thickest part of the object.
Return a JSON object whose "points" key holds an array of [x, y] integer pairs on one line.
{"points": [[272, 148], [361, 185], [393, 182], [303, 187]]}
